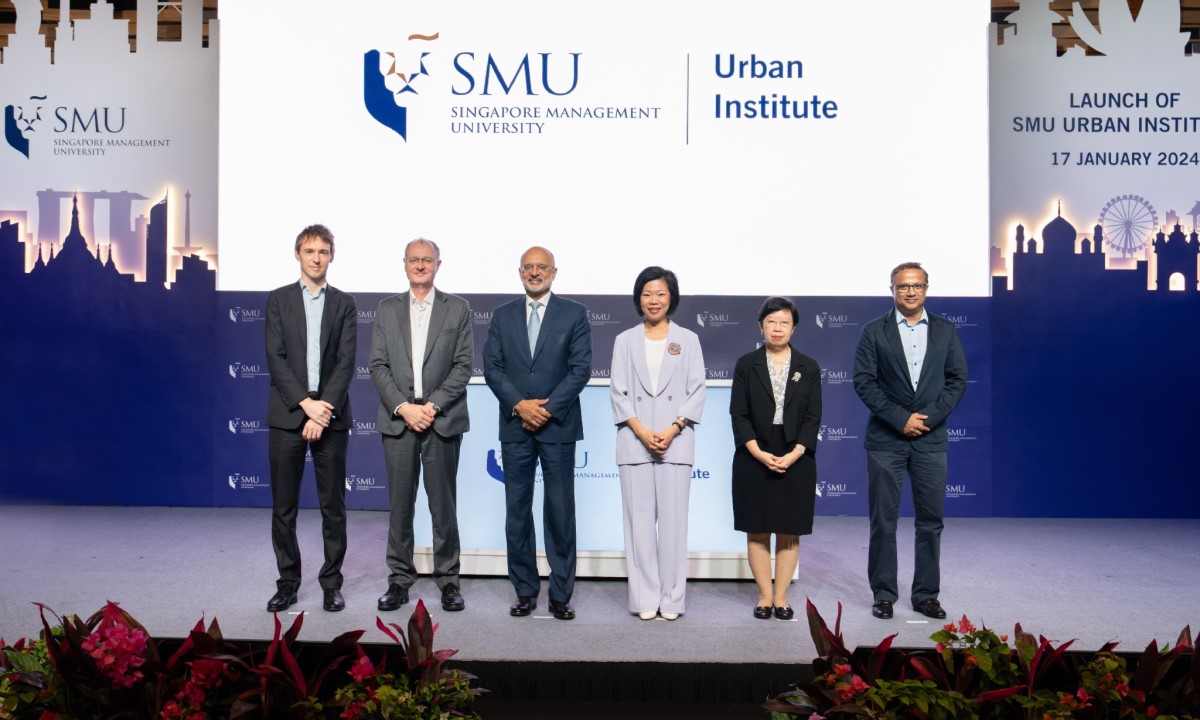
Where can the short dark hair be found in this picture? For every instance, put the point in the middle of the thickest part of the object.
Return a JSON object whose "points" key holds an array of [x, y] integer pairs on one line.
{"points": [[775, 304], [907, 266], [651, 273], [318, 232]]}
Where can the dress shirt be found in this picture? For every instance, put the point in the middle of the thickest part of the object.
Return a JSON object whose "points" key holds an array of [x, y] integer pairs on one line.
{"points": [[914, 339], [314, 308], [544, 300], [418, 321]]}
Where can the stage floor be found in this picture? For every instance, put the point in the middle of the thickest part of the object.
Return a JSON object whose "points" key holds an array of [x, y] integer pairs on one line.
{"points": [[1094, 580]]}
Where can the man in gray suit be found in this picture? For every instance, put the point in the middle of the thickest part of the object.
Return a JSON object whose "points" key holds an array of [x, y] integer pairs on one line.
{"points": [[910, 371], [421, 353]]}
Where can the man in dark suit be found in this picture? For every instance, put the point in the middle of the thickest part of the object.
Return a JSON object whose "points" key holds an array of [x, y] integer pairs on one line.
{"points": [[421, 353], [537, 360], [311, 334], [910, 371]]}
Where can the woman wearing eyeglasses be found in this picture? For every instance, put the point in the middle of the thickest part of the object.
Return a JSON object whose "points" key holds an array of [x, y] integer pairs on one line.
{"points": [[657, 392], [775, 405]]}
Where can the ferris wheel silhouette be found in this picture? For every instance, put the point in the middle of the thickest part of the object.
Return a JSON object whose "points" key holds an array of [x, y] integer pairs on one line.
{"points": [[1127, 221]]}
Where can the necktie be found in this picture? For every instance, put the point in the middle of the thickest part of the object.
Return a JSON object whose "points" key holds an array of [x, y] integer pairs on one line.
{"points": [[535, 325]]}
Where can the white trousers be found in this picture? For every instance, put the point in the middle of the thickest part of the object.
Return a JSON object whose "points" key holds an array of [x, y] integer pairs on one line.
{"points": [[654, 497]]}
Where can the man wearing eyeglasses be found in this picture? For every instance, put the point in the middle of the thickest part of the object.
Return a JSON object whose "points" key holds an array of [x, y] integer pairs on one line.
{"points": [[910, 371], [537, 360], [421, 353]]}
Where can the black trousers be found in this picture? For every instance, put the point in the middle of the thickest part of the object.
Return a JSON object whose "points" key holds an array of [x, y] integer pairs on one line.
{"points": [[287, 450]]}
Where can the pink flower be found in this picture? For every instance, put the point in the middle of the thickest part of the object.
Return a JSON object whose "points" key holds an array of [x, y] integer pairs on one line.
{"points": [[117, 649], [841, 669], [940, 648]]}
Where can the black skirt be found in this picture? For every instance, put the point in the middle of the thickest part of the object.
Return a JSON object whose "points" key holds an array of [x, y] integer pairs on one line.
{"points": [[765, 501]]}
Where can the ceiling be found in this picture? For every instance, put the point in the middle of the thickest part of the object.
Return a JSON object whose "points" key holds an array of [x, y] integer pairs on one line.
{"points": [[169, 21]]}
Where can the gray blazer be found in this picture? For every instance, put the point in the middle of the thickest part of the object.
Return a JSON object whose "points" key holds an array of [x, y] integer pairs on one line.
{"points": [[446, 368], [680, 393]]}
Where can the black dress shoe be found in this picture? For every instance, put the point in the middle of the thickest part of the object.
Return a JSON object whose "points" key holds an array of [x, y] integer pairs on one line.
{"points": [[393, 598], [762, 612], [784, 613], [523, 606], [281, 600], [561, 610], [334, 600], [452, 599], [882, 609], [930, 607]]}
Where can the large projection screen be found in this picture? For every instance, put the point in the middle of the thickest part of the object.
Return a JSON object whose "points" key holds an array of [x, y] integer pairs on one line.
{"points": [[609, 132]]}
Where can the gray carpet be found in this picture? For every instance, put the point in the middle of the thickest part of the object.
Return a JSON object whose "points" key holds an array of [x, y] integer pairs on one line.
{"points": [[1094, 580]]}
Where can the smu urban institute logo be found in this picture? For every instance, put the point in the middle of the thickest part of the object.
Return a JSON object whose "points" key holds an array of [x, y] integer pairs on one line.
{"points": [[19, 122], [387, 76]]}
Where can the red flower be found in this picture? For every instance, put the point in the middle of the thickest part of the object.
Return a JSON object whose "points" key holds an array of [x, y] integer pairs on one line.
{"points": [[841, 669], [940, 648], [950, 628], [1151, 711], [965, 626], [971, 660], [1003, 638], [362, 670]]}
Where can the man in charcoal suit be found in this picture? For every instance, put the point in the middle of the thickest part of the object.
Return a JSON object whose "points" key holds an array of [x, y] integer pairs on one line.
{"points": [[421, 353], [312, 328]]}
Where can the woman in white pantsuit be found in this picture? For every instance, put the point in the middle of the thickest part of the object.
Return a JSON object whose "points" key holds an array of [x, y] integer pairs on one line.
{"points": [[657, 391]]}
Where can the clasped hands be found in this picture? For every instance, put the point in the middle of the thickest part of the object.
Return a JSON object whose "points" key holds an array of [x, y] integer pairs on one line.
{"points": [[319, 414], [533, 414], [658, 442], [778, 463], [417, 418]]}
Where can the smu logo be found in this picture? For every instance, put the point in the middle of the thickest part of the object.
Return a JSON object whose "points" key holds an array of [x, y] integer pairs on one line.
{"points": [[710, 320], [518, 76], [238, 426], [835, 377], [495, 467], [358, 483], [366, 317], [386, 77], [362, 427], [243, 371], [826, 320], [238, 481], [830, 433], [18, 122], [241, 314]]}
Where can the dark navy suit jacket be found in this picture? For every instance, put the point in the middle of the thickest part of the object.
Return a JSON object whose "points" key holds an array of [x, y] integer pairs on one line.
{"points": [[558, 369], [882, 380]]}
